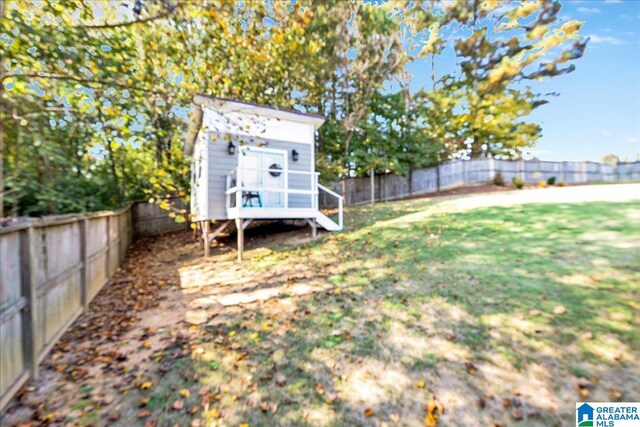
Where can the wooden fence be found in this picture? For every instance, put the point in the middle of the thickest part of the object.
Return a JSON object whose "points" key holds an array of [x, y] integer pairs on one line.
{"points": [[481, 171], [50, 269]]}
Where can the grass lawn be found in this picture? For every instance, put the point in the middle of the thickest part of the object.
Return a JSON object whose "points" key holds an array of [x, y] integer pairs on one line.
{"points": [[503, 315], [507, 315]]}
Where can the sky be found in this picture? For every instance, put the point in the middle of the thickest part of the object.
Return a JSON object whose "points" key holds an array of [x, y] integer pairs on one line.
{"points": [[597, 111]]}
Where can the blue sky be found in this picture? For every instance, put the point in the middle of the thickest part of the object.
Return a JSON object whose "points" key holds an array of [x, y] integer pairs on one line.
{"points": [[598, 109]]}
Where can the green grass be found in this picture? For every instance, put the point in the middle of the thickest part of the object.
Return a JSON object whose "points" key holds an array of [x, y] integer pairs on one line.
{"points": [[510, 290]]}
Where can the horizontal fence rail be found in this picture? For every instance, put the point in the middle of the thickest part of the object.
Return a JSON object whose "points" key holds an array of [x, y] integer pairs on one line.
{"points": [[50, 270], [459, 173]]}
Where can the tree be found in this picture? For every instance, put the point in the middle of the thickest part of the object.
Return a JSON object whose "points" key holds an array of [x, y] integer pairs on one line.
{"points": [[507, 45], [94, 100], [611, 159]]}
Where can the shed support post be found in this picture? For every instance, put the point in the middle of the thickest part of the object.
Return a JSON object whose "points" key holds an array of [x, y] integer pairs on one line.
{"points": [[205, 237], [240, 237], [314, 228]]}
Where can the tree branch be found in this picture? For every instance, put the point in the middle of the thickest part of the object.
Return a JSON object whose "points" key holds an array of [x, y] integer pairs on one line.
{"points": [[108, 26], [81, 80]]}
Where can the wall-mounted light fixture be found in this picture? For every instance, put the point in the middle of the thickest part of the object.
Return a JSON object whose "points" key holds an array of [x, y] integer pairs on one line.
{"points": [[295, 155], [231, 149]]}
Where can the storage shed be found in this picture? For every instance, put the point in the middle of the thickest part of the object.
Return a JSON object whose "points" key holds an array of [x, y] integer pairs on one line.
{"points": [[253, 162]]}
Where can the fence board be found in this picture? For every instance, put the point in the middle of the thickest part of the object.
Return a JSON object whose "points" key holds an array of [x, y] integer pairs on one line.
{"points": [[50, 269], [458, 173]]}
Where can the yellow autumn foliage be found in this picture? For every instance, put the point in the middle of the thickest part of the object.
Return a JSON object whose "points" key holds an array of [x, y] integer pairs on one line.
{"points": [[429, 47], [508, 67], [490, 5]]}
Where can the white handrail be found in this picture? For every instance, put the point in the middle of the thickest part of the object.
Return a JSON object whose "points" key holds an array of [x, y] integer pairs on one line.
{"points": [[272, 190], [340, 202], [333, 193]]}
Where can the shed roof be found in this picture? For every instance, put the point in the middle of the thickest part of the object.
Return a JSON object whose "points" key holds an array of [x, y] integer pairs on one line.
{"points": [[230, 105]]}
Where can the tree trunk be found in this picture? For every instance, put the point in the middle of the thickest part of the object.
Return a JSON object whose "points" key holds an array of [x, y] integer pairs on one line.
{"points": [[114, 174]]}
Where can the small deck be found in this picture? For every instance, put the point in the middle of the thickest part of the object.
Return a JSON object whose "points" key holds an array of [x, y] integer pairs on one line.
{"points": [[273, 193]]}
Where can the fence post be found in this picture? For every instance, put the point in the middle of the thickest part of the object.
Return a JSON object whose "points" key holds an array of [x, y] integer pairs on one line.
{"points": [[464, 172], [108, 256], [84, 254], [373, 186], [492, 169], [29, 292]]}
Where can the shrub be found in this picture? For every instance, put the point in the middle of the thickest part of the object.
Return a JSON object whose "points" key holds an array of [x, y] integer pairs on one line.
{"points": [[552, 180], [498, 179], [518, 182], [560, 184], [542, 184]]}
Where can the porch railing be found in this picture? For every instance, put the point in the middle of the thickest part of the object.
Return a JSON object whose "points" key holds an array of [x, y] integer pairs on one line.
{"points": [[340, 200], [235, 186]]}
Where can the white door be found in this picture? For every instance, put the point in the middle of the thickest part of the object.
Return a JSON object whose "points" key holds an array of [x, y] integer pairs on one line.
{"points": [[263, 170], [273, 178]]}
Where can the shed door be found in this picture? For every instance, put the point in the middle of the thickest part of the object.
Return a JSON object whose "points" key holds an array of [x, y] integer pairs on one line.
{"points": [[263, 170], [273, 165]]}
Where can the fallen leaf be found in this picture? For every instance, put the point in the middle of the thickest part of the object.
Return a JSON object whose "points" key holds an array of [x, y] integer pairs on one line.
{"points": [[145, 385], [420, 384], [368, 412], [394, 418], [450, 336], [143, 413], [517, 415], [147, 343], [264, 406], [587, 336], [618, 356], [194, 410], [434, 409], [151, 423], [144, 401], [281, 380], [534, 312], [559, 309], [115, 416], [241, 356], [185, 393], [471, 368], [615, 394], [178, 404], [583, 392], [581, 383], [319, 388]]}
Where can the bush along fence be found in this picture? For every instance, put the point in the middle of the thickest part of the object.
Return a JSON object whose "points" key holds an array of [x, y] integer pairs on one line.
{"points": [[459, 173], [50, 270]]}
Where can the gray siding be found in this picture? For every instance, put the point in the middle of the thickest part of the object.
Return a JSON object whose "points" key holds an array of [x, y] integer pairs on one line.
{"points": [[221, 163]]}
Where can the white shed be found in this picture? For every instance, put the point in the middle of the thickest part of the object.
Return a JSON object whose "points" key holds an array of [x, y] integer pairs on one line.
{"points": [[253, 162]]}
